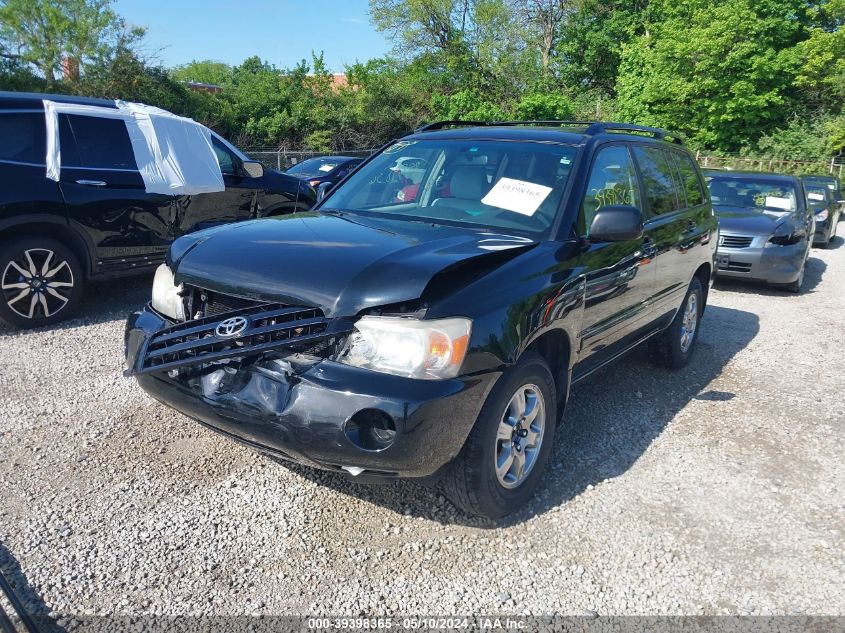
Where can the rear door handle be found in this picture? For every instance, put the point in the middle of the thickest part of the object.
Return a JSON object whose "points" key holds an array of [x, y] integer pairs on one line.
{"points": [[92, 183]]}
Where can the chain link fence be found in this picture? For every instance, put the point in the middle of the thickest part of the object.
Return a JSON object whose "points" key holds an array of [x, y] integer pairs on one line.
{"points": [[282, 159], [796, 167]]}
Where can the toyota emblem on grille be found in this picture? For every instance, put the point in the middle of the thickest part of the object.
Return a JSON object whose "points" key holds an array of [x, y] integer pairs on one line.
{"points": [[232, 327]]}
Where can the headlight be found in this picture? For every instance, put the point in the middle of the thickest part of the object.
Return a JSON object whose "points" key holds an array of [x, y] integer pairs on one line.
{"points": [[821, 216], [166, 297], [431, 350]]}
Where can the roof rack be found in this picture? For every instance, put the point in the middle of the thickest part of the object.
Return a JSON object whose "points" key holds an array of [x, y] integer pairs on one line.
{"points": [[591, 127]]}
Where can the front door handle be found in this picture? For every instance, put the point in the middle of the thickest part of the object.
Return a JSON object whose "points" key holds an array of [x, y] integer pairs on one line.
{"points": [[92, 183]]}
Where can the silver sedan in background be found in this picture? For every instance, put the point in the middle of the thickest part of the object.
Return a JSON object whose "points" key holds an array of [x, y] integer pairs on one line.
{"points": [[765, 227]]}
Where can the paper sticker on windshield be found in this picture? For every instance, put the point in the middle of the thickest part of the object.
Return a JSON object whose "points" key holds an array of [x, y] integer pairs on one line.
{"points": [[774, 202], [398, 147], [517, 196], [326, 167], [815, 196]]}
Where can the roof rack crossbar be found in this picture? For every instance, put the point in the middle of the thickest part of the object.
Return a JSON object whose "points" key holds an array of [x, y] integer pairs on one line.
{"points": [[591, 127]]}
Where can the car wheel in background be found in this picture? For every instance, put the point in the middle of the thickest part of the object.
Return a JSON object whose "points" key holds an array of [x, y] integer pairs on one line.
{"points": [[504, 456], [675, 345], [40, 282], [796, 285]]}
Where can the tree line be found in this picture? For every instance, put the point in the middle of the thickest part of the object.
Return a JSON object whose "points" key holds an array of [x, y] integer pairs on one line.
{"points": [[758, 77]]}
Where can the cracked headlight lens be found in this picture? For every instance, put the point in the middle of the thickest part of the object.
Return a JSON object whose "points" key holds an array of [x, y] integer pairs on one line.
{"points": [[414, 348], [166, 297]]}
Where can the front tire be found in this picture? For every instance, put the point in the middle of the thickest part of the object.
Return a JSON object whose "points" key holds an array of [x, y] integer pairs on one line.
{"points": [[674, 347], [795, 286], [505, 454], [40, 282]]}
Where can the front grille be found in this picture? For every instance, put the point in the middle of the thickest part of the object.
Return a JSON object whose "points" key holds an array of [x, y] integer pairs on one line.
{"points": [[271, 327], [735, 241]]}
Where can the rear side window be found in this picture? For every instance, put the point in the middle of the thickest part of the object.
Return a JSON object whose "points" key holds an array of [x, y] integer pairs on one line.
{"points": [[23, 138], [95, 142], [692, 183], [657, 172]]}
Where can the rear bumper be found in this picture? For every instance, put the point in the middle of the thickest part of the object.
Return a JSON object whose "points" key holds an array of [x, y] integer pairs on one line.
{"points": [[301, 415], [772, 263]]}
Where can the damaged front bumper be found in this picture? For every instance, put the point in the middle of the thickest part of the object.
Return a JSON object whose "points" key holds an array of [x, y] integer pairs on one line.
{"points": [[281, 398], [761, 261]]}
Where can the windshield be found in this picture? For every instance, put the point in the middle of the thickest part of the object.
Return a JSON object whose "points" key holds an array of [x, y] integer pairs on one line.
{"points": [[494, 184], [830, 183], [763, 195], [816, 194], [315, 166]]}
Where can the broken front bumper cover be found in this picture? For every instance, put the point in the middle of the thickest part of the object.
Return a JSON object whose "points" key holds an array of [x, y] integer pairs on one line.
{"points": [[298, 407]]}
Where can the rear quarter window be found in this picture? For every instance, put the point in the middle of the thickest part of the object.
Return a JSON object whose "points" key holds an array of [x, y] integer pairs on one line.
{"points": [[692, 183], [95, 142], [23, 137]]}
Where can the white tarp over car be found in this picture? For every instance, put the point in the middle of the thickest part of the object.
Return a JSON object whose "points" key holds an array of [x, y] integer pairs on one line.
{"points": [[174, 154]]}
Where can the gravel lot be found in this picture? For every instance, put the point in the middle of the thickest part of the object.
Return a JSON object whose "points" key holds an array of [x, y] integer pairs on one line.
{"points": [[716, 490]]}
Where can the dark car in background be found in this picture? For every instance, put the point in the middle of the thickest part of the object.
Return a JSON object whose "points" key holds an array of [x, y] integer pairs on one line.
{"points": [[765, 227], [324, 169], [825, 207], [98, 221], [437, 338], [832, 183]]}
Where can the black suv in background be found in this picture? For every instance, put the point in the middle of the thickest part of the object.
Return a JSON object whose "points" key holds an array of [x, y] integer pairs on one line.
{"points": [[330, 169], [98, 221], [437, 337]]}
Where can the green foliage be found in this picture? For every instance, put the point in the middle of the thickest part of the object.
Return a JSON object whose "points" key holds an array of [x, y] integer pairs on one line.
{"points": [[722, 73], [544, 107], [800, 139], [205, 71], [467, 105], [128, 78], [766, 77], [47, 33]]}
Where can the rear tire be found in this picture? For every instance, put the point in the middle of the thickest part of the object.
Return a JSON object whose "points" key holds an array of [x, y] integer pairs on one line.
{"points": [[674, 347], [41, 282], [495, 475]]}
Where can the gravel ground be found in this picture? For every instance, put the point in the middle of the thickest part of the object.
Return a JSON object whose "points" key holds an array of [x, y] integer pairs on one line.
{"points": [[716, 490]]}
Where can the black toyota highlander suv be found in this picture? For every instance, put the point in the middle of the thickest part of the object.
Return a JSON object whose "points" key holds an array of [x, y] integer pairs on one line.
{"points": [[437, 338], [98, 221]]}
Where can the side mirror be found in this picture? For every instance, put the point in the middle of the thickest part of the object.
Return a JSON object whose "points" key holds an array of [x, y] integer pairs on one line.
{"points": [[253, 168], [616, 223], [323, 190]]}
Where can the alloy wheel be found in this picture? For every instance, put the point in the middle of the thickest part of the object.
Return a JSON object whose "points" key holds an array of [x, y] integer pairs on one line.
{"points": [[520, 435], [690, 322], [37, 283]]}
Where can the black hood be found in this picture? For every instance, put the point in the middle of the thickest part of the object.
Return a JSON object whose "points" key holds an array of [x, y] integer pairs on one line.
{"points": [[340, 264], [748, 221]]}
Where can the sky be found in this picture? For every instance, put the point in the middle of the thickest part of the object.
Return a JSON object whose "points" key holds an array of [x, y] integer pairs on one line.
{"points": [[282, 32]]}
